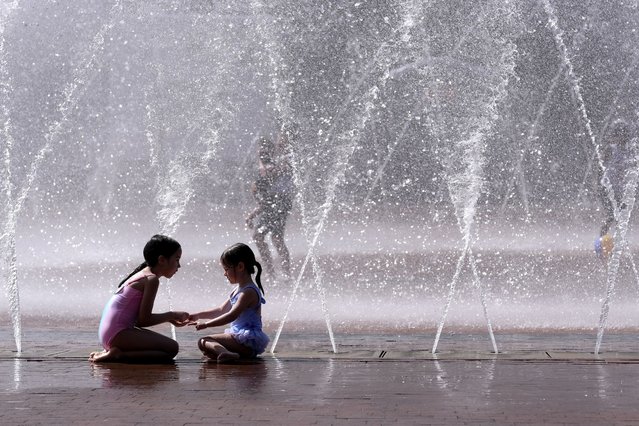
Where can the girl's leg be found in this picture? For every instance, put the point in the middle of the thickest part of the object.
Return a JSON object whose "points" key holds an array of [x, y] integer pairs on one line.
{"points": [[280, 245], [262, 247], [139, 344], [223, 348]]}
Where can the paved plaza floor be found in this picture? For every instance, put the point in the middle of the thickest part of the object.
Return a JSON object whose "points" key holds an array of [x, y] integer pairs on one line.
{"points": [[537, 379]]}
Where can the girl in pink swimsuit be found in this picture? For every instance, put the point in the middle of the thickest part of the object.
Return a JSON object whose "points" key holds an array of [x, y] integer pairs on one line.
{"points": [[131, 308]]}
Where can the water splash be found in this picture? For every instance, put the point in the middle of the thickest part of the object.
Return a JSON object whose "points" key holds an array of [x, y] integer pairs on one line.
{"points": [[622, 217], [281, 94], [282, 107], [581, 105], [624, 82], [416, 154], [175, 176], [532, 135], [463, 161], [82, 76], [360, 104], [268, 39], [389, 155], [310, 256], [8, 237]]}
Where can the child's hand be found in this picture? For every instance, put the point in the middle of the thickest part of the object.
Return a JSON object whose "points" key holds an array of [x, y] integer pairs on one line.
{"points": [[179, 323], [180, 319], [193, 318], [200, 325]]}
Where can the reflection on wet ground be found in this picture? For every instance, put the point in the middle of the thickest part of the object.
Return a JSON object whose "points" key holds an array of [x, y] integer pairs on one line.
{"points": [[373, 379], [323, 391]]}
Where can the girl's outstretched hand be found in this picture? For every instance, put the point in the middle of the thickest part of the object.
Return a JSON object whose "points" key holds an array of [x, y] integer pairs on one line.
{"points": [[180, 319], [199, 325]]}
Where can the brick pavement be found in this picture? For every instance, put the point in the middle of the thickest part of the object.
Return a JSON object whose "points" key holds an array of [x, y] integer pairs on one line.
{"points": [[323, 391], [52, 383]]}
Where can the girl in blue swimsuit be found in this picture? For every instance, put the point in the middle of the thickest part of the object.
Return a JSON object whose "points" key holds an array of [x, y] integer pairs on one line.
{"points": [[243, 310]]}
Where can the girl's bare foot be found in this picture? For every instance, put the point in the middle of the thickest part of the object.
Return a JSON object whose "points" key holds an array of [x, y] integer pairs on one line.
{"points": [[94, 354], [227, 357], [209, 357], [112, 354]]}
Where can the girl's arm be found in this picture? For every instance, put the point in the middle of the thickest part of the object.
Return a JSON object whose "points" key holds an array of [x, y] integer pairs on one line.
{"points": [[146, 317], [244, 300], [213, 313]]}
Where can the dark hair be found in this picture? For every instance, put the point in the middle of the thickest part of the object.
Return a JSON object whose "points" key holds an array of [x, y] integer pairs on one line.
{"points": [[240, 252], [158, 245]]}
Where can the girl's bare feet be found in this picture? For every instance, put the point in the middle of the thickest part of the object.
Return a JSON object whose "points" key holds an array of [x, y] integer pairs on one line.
{"points": [[112, 354], [227, 357], [209, 357]]}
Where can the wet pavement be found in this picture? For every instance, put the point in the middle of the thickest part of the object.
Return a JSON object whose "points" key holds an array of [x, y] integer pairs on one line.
{"points": [[542, 379]]}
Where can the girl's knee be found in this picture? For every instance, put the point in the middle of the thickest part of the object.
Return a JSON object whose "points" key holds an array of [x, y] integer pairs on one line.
{"points": [[172, 348], [200, 343], [203, 340]]}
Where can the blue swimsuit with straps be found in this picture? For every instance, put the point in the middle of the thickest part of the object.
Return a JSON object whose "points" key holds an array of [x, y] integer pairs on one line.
{"points": [[247, 328]]}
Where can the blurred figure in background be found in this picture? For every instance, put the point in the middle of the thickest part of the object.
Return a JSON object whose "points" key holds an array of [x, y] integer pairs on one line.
{"points": [[273, 191]]}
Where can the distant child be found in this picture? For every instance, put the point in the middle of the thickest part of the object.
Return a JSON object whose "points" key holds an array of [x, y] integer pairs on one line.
{"points": [[245, 338], [131, 308], [273, 191]]}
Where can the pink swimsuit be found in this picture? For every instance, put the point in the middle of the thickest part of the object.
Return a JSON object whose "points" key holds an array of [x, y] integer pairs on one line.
{"points": [[121, 312]]}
